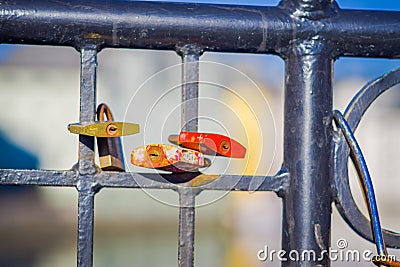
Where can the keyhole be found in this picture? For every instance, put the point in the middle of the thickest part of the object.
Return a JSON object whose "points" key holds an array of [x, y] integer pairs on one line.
{"points": [[154, 154], [225, 146], [112, 129]]}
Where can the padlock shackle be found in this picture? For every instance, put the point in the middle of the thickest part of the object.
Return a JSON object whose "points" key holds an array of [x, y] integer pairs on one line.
{"points": [[110, 150], [104, 109]]}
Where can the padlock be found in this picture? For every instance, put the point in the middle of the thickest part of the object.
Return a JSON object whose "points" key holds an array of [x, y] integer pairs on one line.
{"points": [[168, 158], [107, 133], [104, 128], [209, 144], [110, 149]]}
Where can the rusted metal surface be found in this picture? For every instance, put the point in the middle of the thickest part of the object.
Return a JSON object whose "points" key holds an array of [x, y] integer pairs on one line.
{"points": [[168, 158]]}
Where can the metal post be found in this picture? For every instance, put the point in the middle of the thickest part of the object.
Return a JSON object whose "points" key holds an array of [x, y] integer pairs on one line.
{"points": [[87, 112], [186, 227], [190, 87], [307, 153], [189, 121], [310, 9], [87, 168], [85, 224]]}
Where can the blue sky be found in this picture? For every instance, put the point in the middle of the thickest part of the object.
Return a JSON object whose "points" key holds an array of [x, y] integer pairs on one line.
{"points": [[355, 66], [353, 4]]}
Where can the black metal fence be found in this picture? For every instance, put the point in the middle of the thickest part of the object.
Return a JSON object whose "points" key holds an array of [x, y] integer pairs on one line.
{"points": [[308, 34]]}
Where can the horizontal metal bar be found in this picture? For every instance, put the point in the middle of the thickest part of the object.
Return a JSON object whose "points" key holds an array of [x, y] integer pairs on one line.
{"points": [[364, 33], [205, 182], [137, 24], [223, 28], [38, 177], [144, 180]]}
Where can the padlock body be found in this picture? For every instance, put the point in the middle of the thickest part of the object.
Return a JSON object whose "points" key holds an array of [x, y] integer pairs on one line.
{"points": [[168, 158], [110, 154]]}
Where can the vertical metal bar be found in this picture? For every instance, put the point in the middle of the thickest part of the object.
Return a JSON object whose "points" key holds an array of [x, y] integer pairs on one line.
{"points": [[190, 87], [312, 9], [87, 168], [87, 112], [186, 227], [189, 121], [85, 225], [307, 153]]}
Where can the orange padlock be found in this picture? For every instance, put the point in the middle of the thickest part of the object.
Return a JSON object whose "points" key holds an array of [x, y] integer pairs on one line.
{"points": [[168, 158]]}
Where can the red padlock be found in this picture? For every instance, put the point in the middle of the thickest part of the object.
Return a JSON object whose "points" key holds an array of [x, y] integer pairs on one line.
{"points": [[209, 144]]}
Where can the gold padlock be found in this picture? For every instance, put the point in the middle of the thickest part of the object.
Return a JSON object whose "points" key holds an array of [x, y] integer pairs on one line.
{"points": [[110, 148], [104, 128]]}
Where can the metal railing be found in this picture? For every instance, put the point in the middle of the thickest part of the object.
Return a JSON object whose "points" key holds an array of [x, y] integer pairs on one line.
{"points": [[308, 35]]}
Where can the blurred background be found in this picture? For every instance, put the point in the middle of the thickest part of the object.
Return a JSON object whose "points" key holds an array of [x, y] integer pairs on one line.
{"points": [[240, 95]]}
